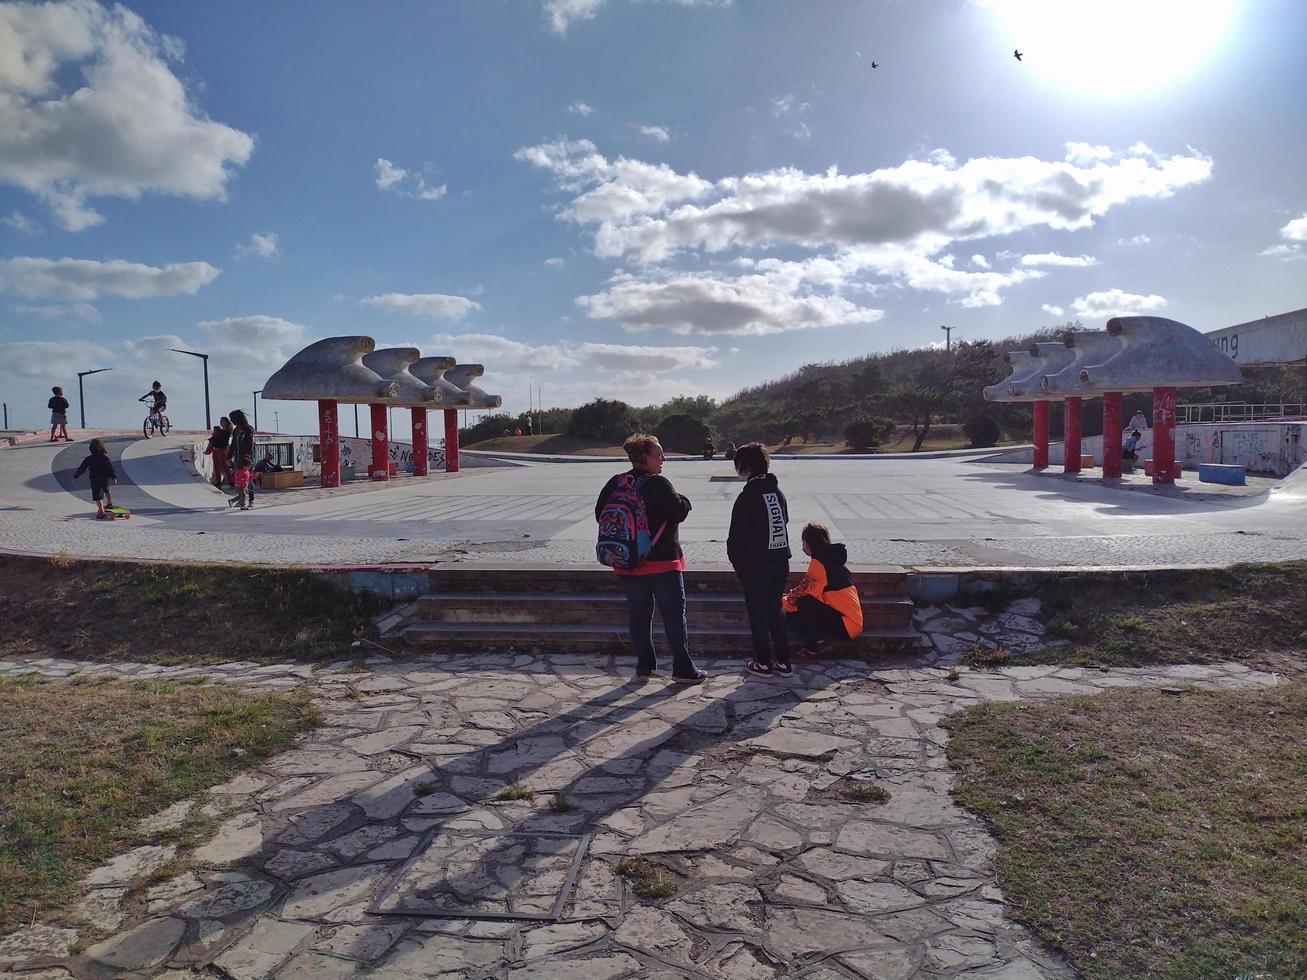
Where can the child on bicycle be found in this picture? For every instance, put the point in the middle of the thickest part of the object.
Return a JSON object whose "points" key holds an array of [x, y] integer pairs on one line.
{"points": [[244, 480], [160, 399], [102, 472]]}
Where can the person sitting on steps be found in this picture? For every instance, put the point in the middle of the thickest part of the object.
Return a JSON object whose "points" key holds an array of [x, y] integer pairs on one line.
{"points": [[826, 601], [1131, 444]]}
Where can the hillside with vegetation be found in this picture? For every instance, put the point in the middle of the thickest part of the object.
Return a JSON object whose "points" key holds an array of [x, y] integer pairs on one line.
{"points": [[906, 400]]}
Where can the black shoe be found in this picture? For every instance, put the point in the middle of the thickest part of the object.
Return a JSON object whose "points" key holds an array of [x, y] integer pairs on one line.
{"points": [[698, 677]]}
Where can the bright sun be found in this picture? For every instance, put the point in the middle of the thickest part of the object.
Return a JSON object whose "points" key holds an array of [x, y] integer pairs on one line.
{"points": [[1113, 46]]}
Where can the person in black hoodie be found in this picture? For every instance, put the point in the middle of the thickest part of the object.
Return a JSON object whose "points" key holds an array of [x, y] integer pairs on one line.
{"points": [[658, 578], [101, 470], [758, 547]]}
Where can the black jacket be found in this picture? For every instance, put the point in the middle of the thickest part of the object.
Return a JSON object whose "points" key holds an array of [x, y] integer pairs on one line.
{"points": [[758, 537], [834, 558], [100, 467], [58, 404], [242, 444], [663, 506]]}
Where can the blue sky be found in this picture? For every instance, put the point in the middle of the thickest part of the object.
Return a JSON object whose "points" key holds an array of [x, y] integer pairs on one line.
{"points": [[629, 198]]}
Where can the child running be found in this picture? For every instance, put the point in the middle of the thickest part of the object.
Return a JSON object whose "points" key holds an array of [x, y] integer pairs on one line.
{"points": [[101, 470], [826, 601], [244, 480]]}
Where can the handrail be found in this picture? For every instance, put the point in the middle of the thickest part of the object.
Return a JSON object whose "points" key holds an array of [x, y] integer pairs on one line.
{"points": [[1193, 412]]}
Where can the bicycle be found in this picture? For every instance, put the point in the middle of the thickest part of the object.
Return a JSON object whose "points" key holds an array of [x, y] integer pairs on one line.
{"points": [[155, 423]]}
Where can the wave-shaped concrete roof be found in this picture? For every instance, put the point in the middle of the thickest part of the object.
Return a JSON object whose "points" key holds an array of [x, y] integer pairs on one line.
{"points": [[330, 370], [431, 370], [462, 375], [392, 363]]}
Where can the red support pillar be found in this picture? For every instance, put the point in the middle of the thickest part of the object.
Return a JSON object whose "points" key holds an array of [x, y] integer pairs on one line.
{"points": [[1111, 434], [419, 442], [1041, 435], [451, 440], [1071, 435], [380, 468], [329, 444], [1164, 468]]}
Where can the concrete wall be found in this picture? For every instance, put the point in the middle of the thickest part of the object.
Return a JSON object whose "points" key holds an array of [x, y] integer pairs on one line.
{"points": [[1280, 339], [352, 450], [1270, 448]]}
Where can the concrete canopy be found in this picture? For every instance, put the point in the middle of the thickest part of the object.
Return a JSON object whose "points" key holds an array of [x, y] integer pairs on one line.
{"points": [[392, 364], [431, 371], [330, 370], [462, 375], [1023, 384]]}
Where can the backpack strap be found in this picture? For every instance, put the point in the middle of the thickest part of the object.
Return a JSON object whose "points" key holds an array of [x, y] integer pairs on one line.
{"points": [[640, 481]]}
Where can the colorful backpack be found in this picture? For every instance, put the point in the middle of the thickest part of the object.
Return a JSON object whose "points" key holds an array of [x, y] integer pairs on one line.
{"points": [[624, 540]]}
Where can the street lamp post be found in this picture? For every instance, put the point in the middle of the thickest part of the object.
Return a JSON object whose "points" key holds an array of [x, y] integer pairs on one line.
{"points": [[948, 339], [208, 419], [81, 397], [256, 409]]}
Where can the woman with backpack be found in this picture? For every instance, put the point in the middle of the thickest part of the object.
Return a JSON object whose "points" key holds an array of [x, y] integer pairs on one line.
{"points": [[758, 547], [639, 512]]}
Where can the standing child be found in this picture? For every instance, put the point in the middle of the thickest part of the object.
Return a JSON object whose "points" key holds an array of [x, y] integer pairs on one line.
{"points": [[102, 473], [826, 601], [58, 406], [244, 480], [758, 547]]}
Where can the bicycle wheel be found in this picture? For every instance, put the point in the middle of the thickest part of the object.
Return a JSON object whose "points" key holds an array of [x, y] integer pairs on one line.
{"points": [[164, 425], [146, 427]]}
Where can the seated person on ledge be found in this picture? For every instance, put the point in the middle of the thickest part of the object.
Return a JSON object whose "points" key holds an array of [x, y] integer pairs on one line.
{"points": [[266, 465], [1130, 445]]}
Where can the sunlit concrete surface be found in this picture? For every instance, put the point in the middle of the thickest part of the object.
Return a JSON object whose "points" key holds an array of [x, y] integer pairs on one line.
{"points": [[952, 512]]}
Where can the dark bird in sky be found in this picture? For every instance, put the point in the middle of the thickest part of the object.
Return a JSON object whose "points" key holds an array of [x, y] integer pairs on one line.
{"points": [[874, 65], [1016, 54]]}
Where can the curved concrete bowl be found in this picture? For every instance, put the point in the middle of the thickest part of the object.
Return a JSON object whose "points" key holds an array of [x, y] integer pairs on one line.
{"points": [[462, 375], [431, 371], [330, 370], [392, 364]]}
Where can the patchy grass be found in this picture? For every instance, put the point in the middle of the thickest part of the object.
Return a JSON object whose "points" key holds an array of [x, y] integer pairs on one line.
{"points": [[174, 613], [1251, 613], [514, 792], [84, 762], [648, 879], [853, 791], [1150, 834], [560, 805]]}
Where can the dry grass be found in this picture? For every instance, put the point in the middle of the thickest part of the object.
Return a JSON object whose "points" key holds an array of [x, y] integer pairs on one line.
{"points": [[647, 878], [83, 762], [173, 613], [1149, 834]]}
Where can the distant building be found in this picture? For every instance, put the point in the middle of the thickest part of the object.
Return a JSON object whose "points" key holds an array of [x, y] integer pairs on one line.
{"points": [[1272, 340]]}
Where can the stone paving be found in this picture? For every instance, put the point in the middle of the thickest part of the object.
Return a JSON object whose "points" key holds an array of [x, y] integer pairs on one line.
{"points": [[743, 790]]}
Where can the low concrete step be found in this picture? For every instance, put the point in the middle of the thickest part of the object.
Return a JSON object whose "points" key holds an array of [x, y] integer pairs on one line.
{"points": [[608, 608], [554, 579], [573, 638]]}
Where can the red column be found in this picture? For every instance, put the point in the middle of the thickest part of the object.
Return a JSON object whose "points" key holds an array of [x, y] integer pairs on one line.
{"points": [[1164, 468], [451, 440], [328, 444], [380, 468], [1071, 435], [1041, 435], [419, 442], [1111, 433]]}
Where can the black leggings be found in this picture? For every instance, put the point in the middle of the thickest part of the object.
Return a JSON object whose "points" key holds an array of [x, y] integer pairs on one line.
{"points": [[762, 598], [814, 618]]}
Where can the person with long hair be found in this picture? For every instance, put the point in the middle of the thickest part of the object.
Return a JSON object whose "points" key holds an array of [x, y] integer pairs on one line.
{"points": [[242, 442]]}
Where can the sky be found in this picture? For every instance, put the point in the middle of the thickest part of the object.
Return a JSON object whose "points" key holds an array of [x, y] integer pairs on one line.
{"points": [[633, 199]]}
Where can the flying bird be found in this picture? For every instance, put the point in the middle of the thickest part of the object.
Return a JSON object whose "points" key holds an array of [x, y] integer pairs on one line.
{"points": [[874, 65], [1016, 54]]}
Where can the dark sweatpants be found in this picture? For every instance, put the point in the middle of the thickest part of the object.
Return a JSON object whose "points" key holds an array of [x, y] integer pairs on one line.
{"points": [[762, 597], [813, 618]]}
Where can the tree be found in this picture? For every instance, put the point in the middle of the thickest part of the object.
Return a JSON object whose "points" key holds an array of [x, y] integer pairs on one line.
{"points": [[981, 430], [867, 433], [490, 427], [681, 433], [603, 420]]}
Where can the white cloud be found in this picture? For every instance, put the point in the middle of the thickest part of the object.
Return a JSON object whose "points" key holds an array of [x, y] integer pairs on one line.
{"points": [[501, 353], [89, 107], [561, 14], [405, 183], [265, 246], [21, 223], [437, 306], [54, 311], [1115, 302], [256, 331], [1136, 240], [1295, 230], [790, 109], [1286, 253], [1052, 310], [1052, 258], [619, 357], [555, 261], [1084, 154], [82, 280], [41, 358], [579, 108], [658, 134], [980, 262]]}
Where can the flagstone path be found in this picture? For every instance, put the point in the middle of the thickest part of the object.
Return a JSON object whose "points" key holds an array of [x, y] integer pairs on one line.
{"points": [[738, 788]]}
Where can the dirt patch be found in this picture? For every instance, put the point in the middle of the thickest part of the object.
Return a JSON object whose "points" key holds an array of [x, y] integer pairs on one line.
{"points": [[1147, 833], [174, 613], [84, 761]]}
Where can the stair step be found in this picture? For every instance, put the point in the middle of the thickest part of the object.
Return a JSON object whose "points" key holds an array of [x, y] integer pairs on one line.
{"points": [[573, 638], [558, 579]]}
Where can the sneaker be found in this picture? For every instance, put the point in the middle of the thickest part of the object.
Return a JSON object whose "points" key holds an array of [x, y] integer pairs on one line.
{"points": [[698, 677]]}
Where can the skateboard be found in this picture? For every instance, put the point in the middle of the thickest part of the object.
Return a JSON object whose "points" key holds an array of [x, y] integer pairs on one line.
{"points": [[114, 513]]}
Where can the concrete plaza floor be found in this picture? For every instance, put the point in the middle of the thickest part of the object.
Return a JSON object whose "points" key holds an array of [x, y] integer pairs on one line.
{"points": [[954, 512]]}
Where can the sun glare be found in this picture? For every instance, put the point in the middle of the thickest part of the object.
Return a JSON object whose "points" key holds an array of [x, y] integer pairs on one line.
{"points": [[1113, 46]]}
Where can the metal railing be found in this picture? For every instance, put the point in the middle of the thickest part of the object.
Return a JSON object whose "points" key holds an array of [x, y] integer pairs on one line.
{"points": [[1238, 412]]}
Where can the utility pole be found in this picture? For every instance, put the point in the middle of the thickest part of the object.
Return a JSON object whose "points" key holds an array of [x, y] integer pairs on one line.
{"points": [[208, 419], [276, 422], [948, 339], [6, 416], [256, 409], [81, 397], [356, 420]]}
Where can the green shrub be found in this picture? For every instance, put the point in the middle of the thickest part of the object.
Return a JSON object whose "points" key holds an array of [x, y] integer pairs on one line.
{"points": [[982, 431], [681, 433]]}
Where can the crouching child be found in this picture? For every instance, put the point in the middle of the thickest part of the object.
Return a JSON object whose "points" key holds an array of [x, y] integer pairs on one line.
{"points": [[826, 602]]}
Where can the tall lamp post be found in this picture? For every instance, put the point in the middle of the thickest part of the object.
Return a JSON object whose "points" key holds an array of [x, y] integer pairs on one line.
{"points": [[256, 409], [81, 398], [208, 419], [948, 339]]}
